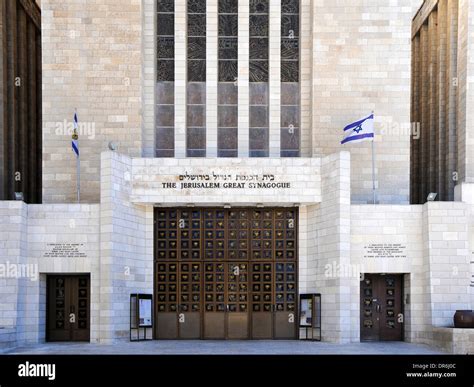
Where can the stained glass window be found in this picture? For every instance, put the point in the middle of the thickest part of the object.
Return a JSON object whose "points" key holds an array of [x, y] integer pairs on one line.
{"points": [[196, 40], [196, 86], [164, 132], [258, 78], [290, 79], [227, 135]]}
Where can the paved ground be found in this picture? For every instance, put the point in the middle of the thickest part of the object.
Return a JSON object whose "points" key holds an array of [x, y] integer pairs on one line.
{"points": [[227, 348]]}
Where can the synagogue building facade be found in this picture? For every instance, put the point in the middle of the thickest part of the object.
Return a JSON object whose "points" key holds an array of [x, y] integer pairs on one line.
{"points": [[213, 178]]}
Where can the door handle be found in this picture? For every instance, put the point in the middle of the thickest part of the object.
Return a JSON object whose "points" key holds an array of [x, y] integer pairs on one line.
{"points": [[71, 309]]}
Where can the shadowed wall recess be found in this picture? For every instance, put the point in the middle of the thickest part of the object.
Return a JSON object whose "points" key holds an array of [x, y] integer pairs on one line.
{"points": [[20, 100]]}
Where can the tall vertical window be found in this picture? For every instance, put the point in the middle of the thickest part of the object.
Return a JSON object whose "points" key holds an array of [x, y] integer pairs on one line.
{"points": [[290, 79], [258, 78], [196, 87], [164, 143], [227, 135]]}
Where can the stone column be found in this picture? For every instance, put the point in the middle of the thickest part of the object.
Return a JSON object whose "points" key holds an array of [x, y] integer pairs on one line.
{"points": [[465, 125], [126, 247], [212, 72], [274, 83], [149, 78], [447, 260], [243, 79], [452, 90], [433, 102], [332, 231], [306, 78]]}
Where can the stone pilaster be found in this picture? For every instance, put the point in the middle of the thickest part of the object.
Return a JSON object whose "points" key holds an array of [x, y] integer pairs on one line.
{"points": [[274, 83], [243, 79], [212, 73], [332, 230], [180, 77]]}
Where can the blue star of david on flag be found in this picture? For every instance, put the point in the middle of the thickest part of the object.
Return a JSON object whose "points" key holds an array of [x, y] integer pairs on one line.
{"points": [[362, 130]]}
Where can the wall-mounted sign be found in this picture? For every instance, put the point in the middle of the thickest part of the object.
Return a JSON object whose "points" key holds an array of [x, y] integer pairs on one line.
{"points": [[144, 319], [239, 181], [64, 250], [385, 250], [306, 312], [310, 316], [226, 181], [141, 319]]}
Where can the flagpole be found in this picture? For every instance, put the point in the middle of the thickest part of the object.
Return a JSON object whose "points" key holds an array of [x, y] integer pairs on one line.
{"points": [[373, 168], [78, 173], [78, 160]]}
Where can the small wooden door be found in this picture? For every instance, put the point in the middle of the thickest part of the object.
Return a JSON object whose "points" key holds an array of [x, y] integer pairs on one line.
{"points": [[68, 308], [381, 312]]}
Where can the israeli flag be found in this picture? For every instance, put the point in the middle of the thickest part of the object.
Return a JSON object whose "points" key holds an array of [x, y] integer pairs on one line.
{"points": [[362, 130], [75, 136]]}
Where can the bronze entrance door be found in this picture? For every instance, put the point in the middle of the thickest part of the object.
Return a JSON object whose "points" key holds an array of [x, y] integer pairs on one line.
{"points": [[381, 311], [225, 273], [68, 308]]}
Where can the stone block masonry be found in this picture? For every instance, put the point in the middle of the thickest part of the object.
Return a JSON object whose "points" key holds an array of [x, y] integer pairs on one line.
{"points": [[99, 57], [92, 61], [361, 62], [116, 248]]}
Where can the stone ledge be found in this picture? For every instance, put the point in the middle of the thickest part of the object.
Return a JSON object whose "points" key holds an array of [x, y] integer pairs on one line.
{"points": [[454, 340], [7, 338]]}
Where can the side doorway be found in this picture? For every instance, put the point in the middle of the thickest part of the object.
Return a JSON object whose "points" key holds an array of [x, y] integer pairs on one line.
{"points": [[68, 308], [381, 307]]}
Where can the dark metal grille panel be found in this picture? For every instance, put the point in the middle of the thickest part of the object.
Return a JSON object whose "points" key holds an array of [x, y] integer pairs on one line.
{"points": [[190, 287], [166, 287], [262, 287], [237, 287], [285, 283], [214, 287]]}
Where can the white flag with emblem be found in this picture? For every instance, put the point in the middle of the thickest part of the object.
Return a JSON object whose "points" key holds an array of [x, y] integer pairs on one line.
{"points": [[362, 130]]}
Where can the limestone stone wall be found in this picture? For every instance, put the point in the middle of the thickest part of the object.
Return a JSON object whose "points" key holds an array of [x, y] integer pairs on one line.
{"points": [[92, 61], [117, 240], [437, 264], [361, 63], [330, 234], [392, 225], [28, 234], [52, 224], [465, 193], [126, 243], [448, 256], [98, 57], [456, 341], [13, 251]]}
